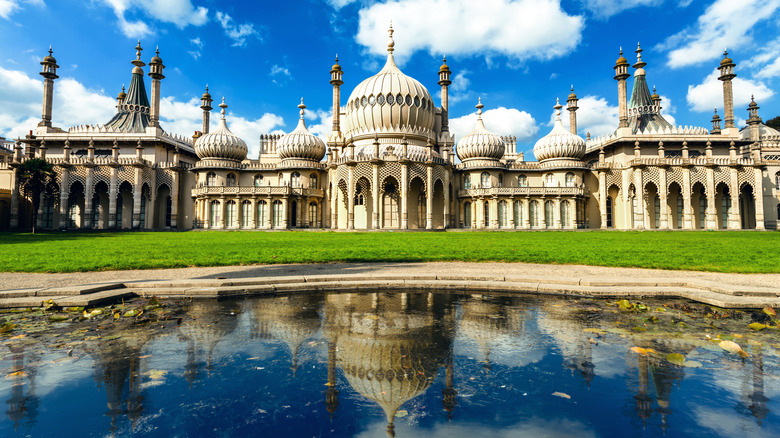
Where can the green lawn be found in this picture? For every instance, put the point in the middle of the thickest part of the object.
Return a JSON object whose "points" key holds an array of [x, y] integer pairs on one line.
{"points": [[736, 251]]}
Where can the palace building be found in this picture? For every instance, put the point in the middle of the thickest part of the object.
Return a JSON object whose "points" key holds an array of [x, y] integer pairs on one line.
{"points": [[390, 163]]}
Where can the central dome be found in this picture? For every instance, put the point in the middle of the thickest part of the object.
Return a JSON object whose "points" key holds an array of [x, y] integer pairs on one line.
{"points": [[390, 102]]}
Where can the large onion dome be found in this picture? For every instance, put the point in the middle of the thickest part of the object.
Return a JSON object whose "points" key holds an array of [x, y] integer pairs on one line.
{"points": [[480, 144], [560, 143], [300, 143], [221, 144], [390, 102]]}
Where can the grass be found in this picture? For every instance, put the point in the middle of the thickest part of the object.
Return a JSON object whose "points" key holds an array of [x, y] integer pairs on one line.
{"points": [[731, 251]]}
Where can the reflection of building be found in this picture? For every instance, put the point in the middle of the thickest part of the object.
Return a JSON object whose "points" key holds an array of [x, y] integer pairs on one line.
{"points": [[753, 398], [490, 322], [389, 347], [206, 324], [391, 165], [21, 406], [291, 319], [662, 375], [564, 324]]}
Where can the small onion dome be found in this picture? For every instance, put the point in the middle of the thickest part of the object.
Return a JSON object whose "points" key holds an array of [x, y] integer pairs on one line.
{"points": [[301, 143], [221, 143], [336, 66], [156, 58], [726, 60], [559, 143], [444, 66], [49, 57], [480, 143], [753, 103], [122, 94], [572, 96], [655, 95], [206, 95], [621, 60]]}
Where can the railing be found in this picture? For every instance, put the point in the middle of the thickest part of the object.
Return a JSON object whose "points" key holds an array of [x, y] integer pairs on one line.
{"points": [[262, 190], [523, 191], [362, 158]]}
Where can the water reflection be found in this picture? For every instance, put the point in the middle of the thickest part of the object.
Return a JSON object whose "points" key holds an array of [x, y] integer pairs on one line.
{"points": [[434, 364]]}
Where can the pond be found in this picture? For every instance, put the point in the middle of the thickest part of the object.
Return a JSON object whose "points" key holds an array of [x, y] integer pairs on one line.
{"points": [[391, 364]]}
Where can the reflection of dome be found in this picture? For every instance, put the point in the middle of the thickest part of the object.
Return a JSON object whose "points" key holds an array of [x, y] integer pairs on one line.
{"points": [[291, 320], [221, 143], [301, 143], [560, 143], [390, 102], [490, 323], [480, 143]]}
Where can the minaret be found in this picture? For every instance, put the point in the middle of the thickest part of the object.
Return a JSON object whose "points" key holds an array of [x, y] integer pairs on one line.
{"points": [[753, 121], [120, 98], [715, 123], [335, 80], [571, 106], [331, 394], [621, 74], [656, 99], [444, 82], [726, 75], [49, 73], [206, 107], [156, 73]]}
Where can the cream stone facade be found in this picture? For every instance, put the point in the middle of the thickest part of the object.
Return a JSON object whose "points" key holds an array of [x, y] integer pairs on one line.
{"points": [[390, 163]]}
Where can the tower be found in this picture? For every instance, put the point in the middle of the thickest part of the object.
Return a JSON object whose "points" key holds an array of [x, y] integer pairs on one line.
{"points": [[49, 73], [206, 107], [156, 73], [726, 75], [444, 82], [621, 74], [571, 106], [335, 80], [656, 99], [753, 121]]}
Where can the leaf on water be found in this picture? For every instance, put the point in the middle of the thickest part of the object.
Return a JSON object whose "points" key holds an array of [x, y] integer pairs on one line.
{"points": [[675, 358], [770, 311], [7, 327], [733, 347], [625, 305], [402, 413], [15, 375], [131, 313], [757, 326], [562, 394], [18, 337], [156, 374], [642, 351], [597, 331], [692, 364]]}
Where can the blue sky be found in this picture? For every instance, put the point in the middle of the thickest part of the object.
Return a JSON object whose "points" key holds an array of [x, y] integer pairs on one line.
{"points": [[263, 56]]}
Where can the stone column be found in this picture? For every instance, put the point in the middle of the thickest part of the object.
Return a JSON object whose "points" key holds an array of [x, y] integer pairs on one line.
{"points": [[64, 192], [686, 192], [351, 199], [269, 213], [474, 208], [223, 212], [639, 212], [759, 195], [575, 206], [735, 218], [112, 195], [429, 199], [375, 195], [137, 198], [88, 189], [543, 213], [526, 213], [175, 199], [711, 218], [511, 212], [663, 194], [404, 196], [285, 212], [557, 213], [447, 200], [628, 217], [334, 207], [207, 214], [603, 199], [14, 199]]}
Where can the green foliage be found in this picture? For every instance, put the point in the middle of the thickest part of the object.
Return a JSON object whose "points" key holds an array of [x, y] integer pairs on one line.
{"points": [[36, 178], [727, 251], [774, 123]]}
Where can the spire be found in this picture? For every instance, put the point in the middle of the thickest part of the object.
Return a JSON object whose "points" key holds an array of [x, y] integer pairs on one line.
{"points": [[302, 107], [390, 41], [134, 113], [558, 107], [479, 109], [639, 63], [223, 105]]}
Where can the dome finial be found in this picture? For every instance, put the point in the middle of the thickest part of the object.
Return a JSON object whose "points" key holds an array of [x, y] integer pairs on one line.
{"points": [[302, 107], [50, 50], [223, 105], [638, 52], [138, 50], [390, 41], [479, 109], [558, 107]]}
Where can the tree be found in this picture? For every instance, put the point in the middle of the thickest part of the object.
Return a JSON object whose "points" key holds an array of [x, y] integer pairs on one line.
{"points": [[36, 178], [774, 123]]}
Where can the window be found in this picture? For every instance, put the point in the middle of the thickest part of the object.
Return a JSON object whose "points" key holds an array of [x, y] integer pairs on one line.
{"points": [[570, 180], [211, 179], [246, 213], [467, 214], [96, 211], [230, 214], [214, 216], [533, 212], [726, 208], [313, 184], [295, 179], [549, 180], [143, 210], [262, 213], [485, 180], [48, 212], [518, 212], [702, 210], [231, 180], [549, 214], [119, 202], [278, 214], [565, 213], [486, 209], [359, 199], [467, 181], [258, 180], [501, 180], [313, 212], [777, 180], [281, 179], [522, 181], [503, 214], [657, 209], [679, 210]]}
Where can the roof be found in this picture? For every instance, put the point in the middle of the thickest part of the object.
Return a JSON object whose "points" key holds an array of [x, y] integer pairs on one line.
{"points": [[133, 115], [643, 113]]}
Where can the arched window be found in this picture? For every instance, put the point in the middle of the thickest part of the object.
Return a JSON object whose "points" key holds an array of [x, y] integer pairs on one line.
{"points": [[609, 212], [231, 180], [281, 179], [522, 181], [246, 213], [278, 214], [549, 180], [533, 212], [679, 210], [230, 214], [211, 179], [503, 214], [501, 180], [549, 214], [569, 179], [313, 181], [467, 214], [485, 180], [518, 212], [295, 179], [487, 214], [565, 214], [467, 181], [262, 213], [312, 214], [214, 214], [359, 198], [258, 180], [726, 208]]}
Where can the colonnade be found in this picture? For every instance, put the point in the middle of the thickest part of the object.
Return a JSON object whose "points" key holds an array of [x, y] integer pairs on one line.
{"points": [[522, 213], [256, 212]]}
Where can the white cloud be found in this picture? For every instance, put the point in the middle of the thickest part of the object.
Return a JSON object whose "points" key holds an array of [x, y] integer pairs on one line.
{"points": [[519, 29], [595, 115], [238, 33], [460, 89], [767, 63], [709, 94], [181, 13], [607, 8], [323, 123], [198, 47], [668, 110], [8, 7], [725, 24], [500, 121], [338, 4]]}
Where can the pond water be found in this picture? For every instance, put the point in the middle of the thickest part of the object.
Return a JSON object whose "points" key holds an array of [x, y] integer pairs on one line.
{"points": [[397, 364]]}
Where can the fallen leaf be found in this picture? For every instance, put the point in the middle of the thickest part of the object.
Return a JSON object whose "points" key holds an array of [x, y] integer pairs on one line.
{"points": [[642, 351], [733, 347], [757, 326], [675, 358], [402, 413], [770, 311], [15, 375], [561, 395]]}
